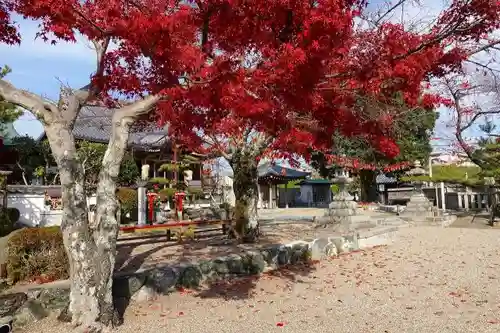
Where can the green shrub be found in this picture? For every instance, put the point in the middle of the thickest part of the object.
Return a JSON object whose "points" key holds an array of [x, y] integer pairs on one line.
{"points": [[13, 214], [36, 252], [6, 222], [167, 194], [128, 200]]}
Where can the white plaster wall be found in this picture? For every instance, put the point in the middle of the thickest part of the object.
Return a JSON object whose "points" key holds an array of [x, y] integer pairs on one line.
{"points": [[32, 209], [30, 206]]}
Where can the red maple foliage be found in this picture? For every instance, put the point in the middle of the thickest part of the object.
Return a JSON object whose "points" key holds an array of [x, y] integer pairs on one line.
{"points": [[288, 70], [294, 73]]}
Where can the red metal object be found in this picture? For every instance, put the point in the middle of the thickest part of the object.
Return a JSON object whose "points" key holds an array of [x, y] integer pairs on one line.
{"points": [[151, 205], [179, 202]]}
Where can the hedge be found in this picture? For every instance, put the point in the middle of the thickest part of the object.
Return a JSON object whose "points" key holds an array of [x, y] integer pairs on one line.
{"points": [[36, 253], [128, 200]]}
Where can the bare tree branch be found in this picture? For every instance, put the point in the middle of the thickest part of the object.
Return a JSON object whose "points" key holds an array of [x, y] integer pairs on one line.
{"points": [[25, 99]]}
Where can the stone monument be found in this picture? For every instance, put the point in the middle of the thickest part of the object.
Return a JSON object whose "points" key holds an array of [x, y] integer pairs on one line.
{"points": [[343, 210], [419, 208]]}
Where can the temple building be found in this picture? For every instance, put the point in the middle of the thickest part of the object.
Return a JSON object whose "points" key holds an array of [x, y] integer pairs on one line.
{"points": [[270, 176], [148, 143]]}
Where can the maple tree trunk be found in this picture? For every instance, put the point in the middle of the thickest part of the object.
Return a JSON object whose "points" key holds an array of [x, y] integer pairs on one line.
{"points": [[91, 249], [245, 178], [367, 180]]}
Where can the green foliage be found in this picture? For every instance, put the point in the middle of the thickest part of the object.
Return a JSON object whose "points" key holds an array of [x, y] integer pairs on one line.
{"points": [[129, 171], [169, 167], [469, 176], [488, 152], [91, 155], [35, 253], [167, 194], [184, 163], [159, 181], [7, 219], [13, 214], [128, 200], [194, 194], [291, 184], [39, 171], [413, 129], [30, 156], [8, 112]]}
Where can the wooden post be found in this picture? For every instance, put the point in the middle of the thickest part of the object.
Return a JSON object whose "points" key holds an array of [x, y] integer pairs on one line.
{"points": [[270, 195], [286, 195], [443, 198]]}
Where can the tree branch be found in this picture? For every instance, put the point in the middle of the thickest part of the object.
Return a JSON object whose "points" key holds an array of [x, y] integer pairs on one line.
{"points": [[137, 109], [25, 99], [458, 128], [490, 45], [390, 10]]}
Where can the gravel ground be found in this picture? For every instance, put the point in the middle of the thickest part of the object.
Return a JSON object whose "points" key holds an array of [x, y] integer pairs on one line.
{"points": [[430, 280], [144, 254]]}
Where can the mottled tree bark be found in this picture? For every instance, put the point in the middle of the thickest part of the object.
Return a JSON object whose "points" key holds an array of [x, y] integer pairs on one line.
{"points": [[245, 178], [91, 247]]}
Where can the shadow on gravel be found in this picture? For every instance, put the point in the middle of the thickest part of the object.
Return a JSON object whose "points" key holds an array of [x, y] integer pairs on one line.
{"points": [[245, 287], [473, 220]]}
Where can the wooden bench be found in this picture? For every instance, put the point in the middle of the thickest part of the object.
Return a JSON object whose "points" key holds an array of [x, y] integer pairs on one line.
{"points": [[168, 226]]}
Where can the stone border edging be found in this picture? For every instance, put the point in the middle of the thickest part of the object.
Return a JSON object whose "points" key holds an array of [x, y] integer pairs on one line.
{"points": [[23, 308]]}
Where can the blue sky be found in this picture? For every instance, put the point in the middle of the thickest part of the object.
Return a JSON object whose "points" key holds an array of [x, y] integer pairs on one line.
{"points": [[40, 67]]}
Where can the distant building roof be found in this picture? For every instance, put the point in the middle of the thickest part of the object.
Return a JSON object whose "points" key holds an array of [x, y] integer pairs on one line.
{"points": [[383, 179], [94, 124], [280, 172], [316, 182]]}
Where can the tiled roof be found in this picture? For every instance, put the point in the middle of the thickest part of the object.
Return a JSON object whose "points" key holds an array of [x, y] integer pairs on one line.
{"points": [[94, 124], [383, 179], [316, 182], [269, 169]]}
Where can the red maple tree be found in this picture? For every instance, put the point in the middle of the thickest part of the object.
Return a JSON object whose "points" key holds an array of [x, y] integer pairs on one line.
{"points": [[304, 72], [277, 74]]}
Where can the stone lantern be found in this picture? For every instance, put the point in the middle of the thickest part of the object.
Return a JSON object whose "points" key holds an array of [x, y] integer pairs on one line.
{"points": [[417, 171], [343, 209], [419, 207]]}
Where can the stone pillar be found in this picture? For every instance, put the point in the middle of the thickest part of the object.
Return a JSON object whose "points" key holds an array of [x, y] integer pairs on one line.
{"points": [[443, 198], [141, 195], [141, 203]]}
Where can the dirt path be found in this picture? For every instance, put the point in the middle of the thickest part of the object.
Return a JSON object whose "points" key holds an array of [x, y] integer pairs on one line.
{"points": [[431, 280]]}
